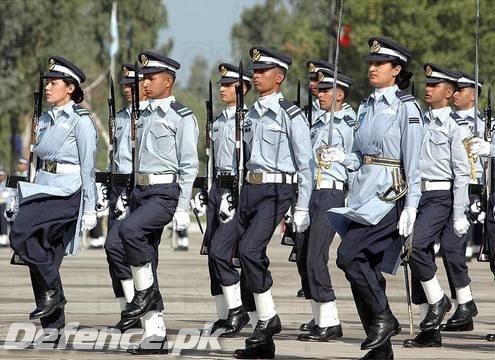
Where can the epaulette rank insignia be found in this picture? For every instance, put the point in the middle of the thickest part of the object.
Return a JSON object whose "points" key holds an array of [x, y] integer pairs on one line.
{"points": [[180, 109], [291, 109], [80, 110]]}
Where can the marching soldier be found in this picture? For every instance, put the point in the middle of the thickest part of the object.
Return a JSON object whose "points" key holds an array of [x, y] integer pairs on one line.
{"points": [[445, 175], [60, 204], [221, 235], [463, 101], [329, 191], [384, 193], [277, 141], [167, 164], [120, 271]]}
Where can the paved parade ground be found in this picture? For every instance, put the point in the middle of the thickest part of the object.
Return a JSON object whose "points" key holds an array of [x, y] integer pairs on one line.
{"points": [[184, 284]]}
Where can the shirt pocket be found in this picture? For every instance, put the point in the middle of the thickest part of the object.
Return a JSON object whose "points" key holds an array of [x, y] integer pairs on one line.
{"points": [[440, 145], [162, 139], [274, 137]]}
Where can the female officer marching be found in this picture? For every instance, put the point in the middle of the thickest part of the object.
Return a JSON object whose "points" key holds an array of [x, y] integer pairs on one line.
{"points": [[387, 146], [60, 204]]}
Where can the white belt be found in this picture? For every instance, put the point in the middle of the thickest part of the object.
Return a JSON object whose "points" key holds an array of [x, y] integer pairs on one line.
{"points": [[435, 185], [58, 168], [269, 178], [330, 184], [154, 179]]}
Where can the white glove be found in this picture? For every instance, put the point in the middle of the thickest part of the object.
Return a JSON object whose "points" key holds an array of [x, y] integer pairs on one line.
{"points": [[199, 203], [461, 226], [226, 211], [88, 220], [406, 221], [181, 219], [102, 198], [301, 219], [12, 209], [122, 206], [479, 147], [288, 217]]}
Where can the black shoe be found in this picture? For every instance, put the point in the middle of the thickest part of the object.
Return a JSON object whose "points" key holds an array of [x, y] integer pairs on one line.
{"points": [[181, 248], [307, 326], [126, 324], [383, 352], [325, 334], [430, 338], [237, 319], [264, 331], [150, 346], [264, 350], [462, 320], [142, 302], [49, 301], [383, 327], [490, 337], [219, 324], [436, 313], [300, 292]]}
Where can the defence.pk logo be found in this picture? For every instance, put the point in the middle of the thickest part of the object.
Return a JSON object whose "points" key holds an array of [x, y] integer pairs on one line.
{"points": [[24, 334]]}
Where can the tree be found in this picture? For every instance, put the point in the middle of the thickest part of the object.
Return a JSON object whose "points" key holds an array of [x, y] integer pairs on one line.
{"points": [[441, 32], [79, 30]]}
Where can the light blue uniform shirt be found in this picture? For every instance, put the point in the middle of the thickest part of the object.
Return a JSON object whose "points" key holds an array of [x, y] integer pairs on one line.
{"points": [[223, 137], [443, 155], [166, 143], [70, 137], [342, 138], [279, 141], [389, 127]]}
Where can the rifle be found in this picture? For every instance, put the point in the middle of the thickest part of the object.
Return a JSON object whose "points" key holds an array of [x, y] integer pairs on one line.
{"points": [[309, 107], [12, 180], [484, 253], [239, 134], [297, 102], [406, 253], [207, 183]]}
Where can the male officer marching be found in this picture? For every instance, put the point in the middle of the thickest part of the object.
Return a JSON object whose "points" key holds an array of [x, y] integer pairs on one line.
{"points": [[167, 164], [120, 272], [221, 235], [277, 141], [445, 175], [329, 191]]}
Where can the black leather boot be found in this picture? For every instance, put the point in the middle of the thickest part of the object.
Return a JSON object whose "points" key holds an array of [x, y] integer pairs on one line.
{"points": [[49, 301], [462, 320], [307, 326], [383, 352], [383, 327], [319, 334], [264, 331], [300, 292], [436, 313], [262, 350], [142, 302], [429, 338], [126, 324], [490, 337], [237, 319], [152, 345], [217, 325]]}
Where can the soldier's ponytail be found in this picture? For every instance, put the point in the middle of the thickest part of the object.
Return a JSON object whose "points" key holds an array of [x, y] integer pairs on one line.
{"points": [[403, 79], [78, 95]]}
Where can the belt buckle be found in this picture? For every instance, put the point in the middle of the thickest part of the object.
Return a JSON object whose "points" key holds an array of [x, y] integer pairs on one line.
{"points": [[368, 159], [256, 178], [143, 179], [51, 167]]}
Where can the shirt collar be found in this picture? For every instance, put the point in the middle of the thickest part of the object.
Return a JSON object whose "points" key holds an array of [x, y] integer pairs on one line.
{"points": [[441, 114], [325, 117], [143, 105], [268, 102], [388, 94], [466, 113], [67, 109], [164, 103]]}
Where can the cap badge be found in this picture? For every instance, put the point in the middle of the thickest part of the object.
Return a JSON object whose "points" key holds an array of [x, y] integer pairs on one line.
{"points": [[375, 47], [223, 70], [143, 59], [256, 54], [311, 67], [321, 76], [125, 71], [51, 64], [428, 70]]}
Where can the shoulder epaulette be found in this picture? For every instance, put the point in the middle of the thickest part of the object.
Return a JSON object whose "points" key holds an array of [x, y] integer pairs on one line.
{"points": [[291, 109], [350, 121], [79, 110], [364, 101], [122, 110], [245, 111], [219, 115], [180, 109], [346, 106], [404, 96], [458, 119]]}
